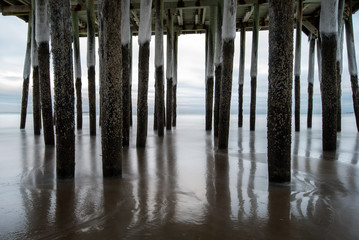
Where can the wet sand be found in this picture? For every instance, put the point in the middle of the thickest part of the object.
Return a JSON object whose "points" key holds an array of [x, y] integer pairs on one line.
{"points": [[180, 187]]}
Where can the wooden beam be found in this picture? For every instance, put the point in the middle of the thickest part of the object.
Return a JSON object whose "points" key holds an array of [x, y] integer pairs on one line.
{"points": [[203, 15], [15, 9], [248, 14], [135, 17], [310, 27], [180, 17]]}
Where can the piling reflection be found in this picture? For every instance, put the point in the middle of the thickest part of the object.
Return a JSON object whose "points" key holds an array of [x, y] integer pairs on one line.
{"points": [[141, 214], [279, 212], [356, 151], [37, 192], [251, 181], [222, 207], [309, 143], [171, 181], [66, 221]]}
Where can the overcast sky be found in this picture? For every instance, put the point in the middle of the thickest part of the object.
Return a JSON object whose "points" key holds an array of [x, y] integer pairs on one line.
{"points": [[191, 71]]}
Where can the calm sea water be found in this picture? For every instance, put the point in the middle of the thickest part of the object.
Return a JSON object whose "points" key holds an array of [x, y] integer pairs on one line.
{"points": [[180, 186]]}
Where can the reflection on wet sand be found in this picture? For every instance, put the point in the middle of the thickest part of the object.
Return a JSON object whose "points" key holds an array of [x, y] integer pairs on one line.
{"points": [[180, 187]]}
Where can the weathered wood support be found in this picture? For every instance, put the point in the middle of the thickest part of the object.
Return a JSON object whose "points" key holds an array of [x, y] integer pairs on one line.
{"points": [[169, 70], [353, 69], [125, 43], [42, 40], [328, 34], [91, 61], [36, 107], [228, 34], [298, 48], [175, 64], [144, 38], [77, 67], [339, 64], [26, 75], [241, 75], [210, 67], [130, 91], [319, 60], [254, 63], [310, 81], [159, 81], [111, 83], [280, 89], [61, 41], [218, 66]]}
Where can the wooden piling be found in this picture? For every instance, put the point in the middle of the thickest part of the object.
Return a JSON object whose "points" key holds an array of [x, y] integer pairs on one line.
{"points": [[175, 61], [42, 40], [254, 63], [159, 81], [353, 69], [61, 41], [328, 35], [298, 47], [111, 83], [229, 34], [130, 80], [319, 61], [77, 67], [91, 61], [169, 70], [241, 75], [125, 43], [36, 108], [144, 39], [218, 66], [339, 63], [210, 67], [310, 81], [26, 75], [280, 89]]}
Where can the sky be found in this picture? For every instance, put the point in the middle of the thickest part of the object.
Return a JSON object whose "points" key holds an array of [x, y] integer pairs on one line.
{"points": [[191, 71]]}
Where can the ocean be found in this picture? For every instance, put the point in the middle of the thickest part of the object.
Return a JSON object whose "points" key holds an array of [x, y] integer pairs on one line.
{"points": [[180, 186]]}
